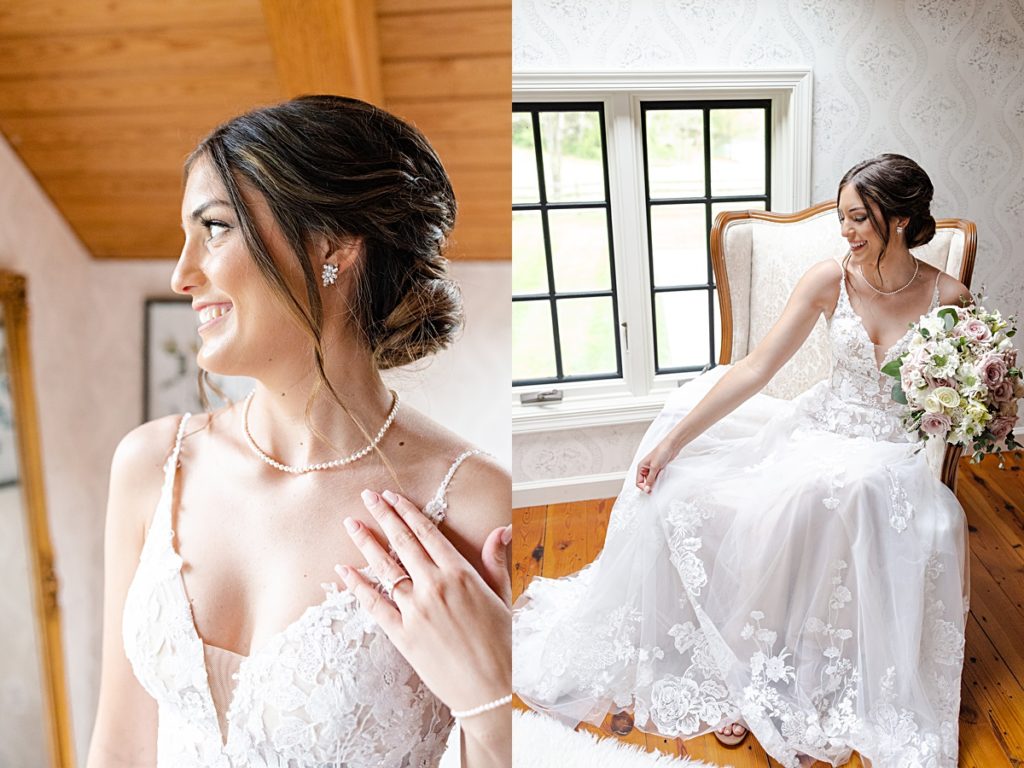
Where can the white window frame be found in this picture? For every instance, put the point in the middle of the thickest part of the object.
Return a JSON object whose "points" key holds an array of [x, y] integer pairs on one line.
{"points": [[640, 394]]}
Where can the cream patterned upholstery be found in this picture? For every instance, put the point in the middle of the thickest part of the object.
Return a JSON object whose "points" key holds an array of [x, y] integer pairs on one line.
{"points": [[758, 258]]}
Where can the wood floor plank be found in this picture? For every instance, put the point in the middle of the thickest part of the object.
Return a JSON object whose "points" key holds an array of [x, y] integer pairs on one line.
{"points": [[995, 691], [979, 747], [527, 546], [565, 540]]}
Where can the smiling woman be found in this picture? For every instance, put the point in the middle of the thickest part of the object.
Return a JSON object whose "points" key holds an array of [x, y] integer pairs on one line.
{"points": [[314, 256]]}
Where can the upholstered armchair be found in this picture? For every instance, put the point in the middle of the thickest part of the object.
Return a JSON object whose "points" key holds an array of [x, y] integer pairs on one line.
{"points": [[758, 256]]}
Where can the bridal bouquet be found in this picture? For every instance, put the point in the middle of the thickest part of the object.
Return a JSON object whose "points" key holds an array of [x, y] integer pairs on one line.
{"points": [[959, 379]]}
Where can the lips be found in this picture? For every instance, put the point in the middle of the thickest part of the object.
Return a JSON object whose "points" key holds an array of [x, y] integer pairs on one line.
{"points": [[211, 313], [858, 246]]}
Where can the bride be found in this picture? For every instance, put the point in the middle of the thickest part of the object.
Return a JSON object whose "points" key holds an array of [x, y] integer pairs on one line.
{"points": [[789, 567], [314, 233]]}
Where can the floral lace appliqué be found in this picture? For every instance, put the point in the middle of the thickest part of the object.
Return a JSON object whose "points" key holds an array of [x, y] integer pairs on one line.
{"points": [[900, 508]]}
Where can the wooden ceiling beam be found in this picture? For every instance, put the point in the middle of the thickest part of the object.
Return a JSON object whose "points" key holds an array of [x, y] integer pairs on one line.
{"points": [[325, 46]]}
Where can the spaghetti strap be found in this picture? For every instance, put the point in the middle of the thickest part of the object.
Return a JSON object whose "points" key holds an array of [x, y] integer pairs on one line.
{"points": [[935, 293], [438, 505], [162, 519]]}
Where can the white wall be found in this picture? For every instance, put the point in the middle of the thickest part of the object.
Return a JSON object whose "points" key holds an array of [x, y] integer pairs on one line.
{"points": [[938, 81], [86, 336]]}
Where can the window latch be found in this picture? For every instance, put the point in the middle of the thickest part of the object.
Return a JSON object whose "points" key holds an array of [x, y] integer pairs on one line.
{"points": [[625, 334], [547, 396]]}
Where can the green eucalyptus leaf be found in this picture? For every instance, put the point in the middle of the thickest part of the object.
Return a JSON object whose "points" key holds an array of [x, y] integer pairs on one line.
{"points": [[949, 317], [898, 394], [892, 368]]}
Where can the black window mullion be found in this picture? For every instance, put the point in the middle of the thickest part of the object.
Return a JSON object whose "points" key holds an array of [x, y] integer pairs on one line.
{"points": [[611, 242], [707, 201], [544, 206], [542, 192]]}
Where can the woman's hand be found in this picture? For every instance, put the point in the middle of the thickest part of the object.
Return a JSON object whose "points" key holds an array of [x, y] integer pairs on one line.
{"points": [[651, 465], [453, 628]]}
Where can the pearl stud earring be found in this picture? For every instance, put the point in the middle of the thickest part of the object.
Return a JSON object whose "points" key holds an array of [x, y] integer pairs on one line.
{"points": [[330, 274]]}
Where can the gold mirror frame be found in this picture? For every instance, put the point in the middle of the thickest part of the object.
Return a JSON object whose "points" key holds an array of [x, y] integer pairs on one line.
{"points": [[44, 580]]}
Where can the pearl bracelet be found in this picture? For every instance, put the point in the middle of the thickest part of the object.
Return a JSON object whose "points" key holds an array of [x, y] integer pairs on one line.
{"points": [[483, 707]]}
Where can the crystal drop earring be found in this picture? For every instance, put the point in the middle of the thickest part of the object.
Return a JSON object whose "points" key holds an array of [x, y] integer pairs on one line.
{"points": [[329, 274]]}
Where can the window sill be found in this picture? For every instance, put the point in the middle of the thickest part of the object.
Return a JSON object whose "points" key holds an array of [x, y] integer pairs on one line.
{"points": [[583, 412]]}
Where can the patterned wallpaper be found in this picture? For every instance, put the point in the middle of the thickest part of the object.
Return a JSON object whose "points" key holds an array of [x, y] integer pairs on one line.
{"points": [[939, 81]]}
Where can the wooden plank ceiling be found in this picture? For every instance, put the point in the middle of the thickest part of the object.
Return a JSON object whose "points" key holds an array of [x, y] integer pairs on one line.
{"points": [[102, 100]]}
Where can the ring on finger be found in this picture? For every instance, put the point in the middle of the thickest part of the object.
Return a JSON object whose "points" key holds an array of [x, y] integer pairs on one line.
{"points": [[389, 586]]}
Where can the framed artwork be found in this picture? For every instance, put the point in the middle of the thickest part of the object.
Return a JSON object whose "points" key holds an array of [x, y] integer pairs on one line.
{"points": [[170, 373]]}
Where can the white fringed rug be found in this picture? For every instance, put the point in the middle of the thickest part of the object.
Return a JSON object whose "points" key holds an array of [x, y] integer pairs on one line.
{"points": [[542, 742]]}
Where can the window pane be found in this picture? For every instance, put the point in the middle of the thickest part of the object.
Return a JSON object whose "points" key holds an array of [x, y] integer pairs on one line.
{"points": [[579, 249], [524, 160], [681, 318], [679, 244], [529, 269], [587, 330], [741, 205], [533, 350], [737, 152], [573, 163], [675, 153]]}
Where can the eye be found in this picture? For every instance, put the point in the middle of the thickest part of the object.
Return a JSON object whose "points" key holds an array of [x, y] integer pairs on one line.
{"points": [[214, 227]]}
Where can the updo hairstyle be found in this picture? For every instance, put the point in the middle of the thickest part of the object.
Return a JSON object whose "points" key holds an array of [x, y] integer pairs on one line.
{"points": [[899, 187], [340, 168]]}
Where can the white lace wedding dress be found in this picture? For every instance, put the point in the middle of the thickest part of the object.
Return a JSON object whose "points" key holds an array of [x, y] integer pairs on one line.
{"points": [[798, 567], [328, 690]]}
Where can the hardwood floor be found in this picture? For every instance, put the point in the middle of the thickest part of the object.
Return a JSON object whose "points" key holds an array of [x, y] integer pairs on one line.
{"points": [[559, 539]]}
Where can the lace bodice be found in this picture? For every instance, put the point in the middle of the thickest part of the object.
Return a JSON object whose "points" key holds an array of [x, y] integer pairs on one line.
{"points": [[328, 690], [856, 399]]}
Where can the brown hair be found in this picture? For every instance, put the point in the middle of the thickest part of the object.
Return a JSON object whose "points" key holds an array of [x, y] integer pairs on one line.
{"points": [[899, 187], [344, 170]]}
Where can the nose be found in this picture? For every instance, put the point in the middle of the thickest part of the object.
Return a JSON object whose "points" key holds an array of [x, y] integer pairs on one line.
{"points": [[187, 274]]}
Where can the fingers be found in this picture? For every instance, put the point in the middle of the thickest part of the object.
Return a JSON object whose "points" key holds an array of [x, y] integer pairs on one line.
{"points": [[646, 474], [439, 549], [400, 533], [641, 476], [382, 610], [494, 556], [380, 562]]}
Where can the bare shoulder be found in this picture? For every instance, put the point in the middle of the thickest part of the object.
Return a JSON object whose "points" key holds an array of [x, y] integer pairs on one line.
{"points": [[479, 500], [820, 284], [952, 291], [479, 492], [136, 471], [483, 485]]}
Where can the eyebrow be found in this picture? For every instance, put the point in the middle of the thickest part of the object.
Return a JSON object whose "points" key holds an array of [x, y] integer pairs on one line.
{"points": [[198, 212], [857, 208]]}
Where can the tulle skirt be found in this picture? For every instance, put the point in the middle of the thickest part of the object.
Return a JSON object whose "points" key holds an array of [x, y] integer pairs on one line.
{"points": [[809, 584]]}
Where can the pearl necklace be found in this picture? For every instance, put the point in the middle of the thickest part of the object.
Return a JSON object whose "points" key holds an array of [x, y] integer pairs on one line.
{"points": [[917, 267], [323, 465]]}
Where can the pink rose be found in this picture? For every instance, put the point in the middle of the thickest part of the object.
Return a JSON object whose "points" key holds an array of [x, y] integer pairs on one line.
{"points": [[976, 330], [1002, 391], [993, 369], [1000, 426], [935, 424]]}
